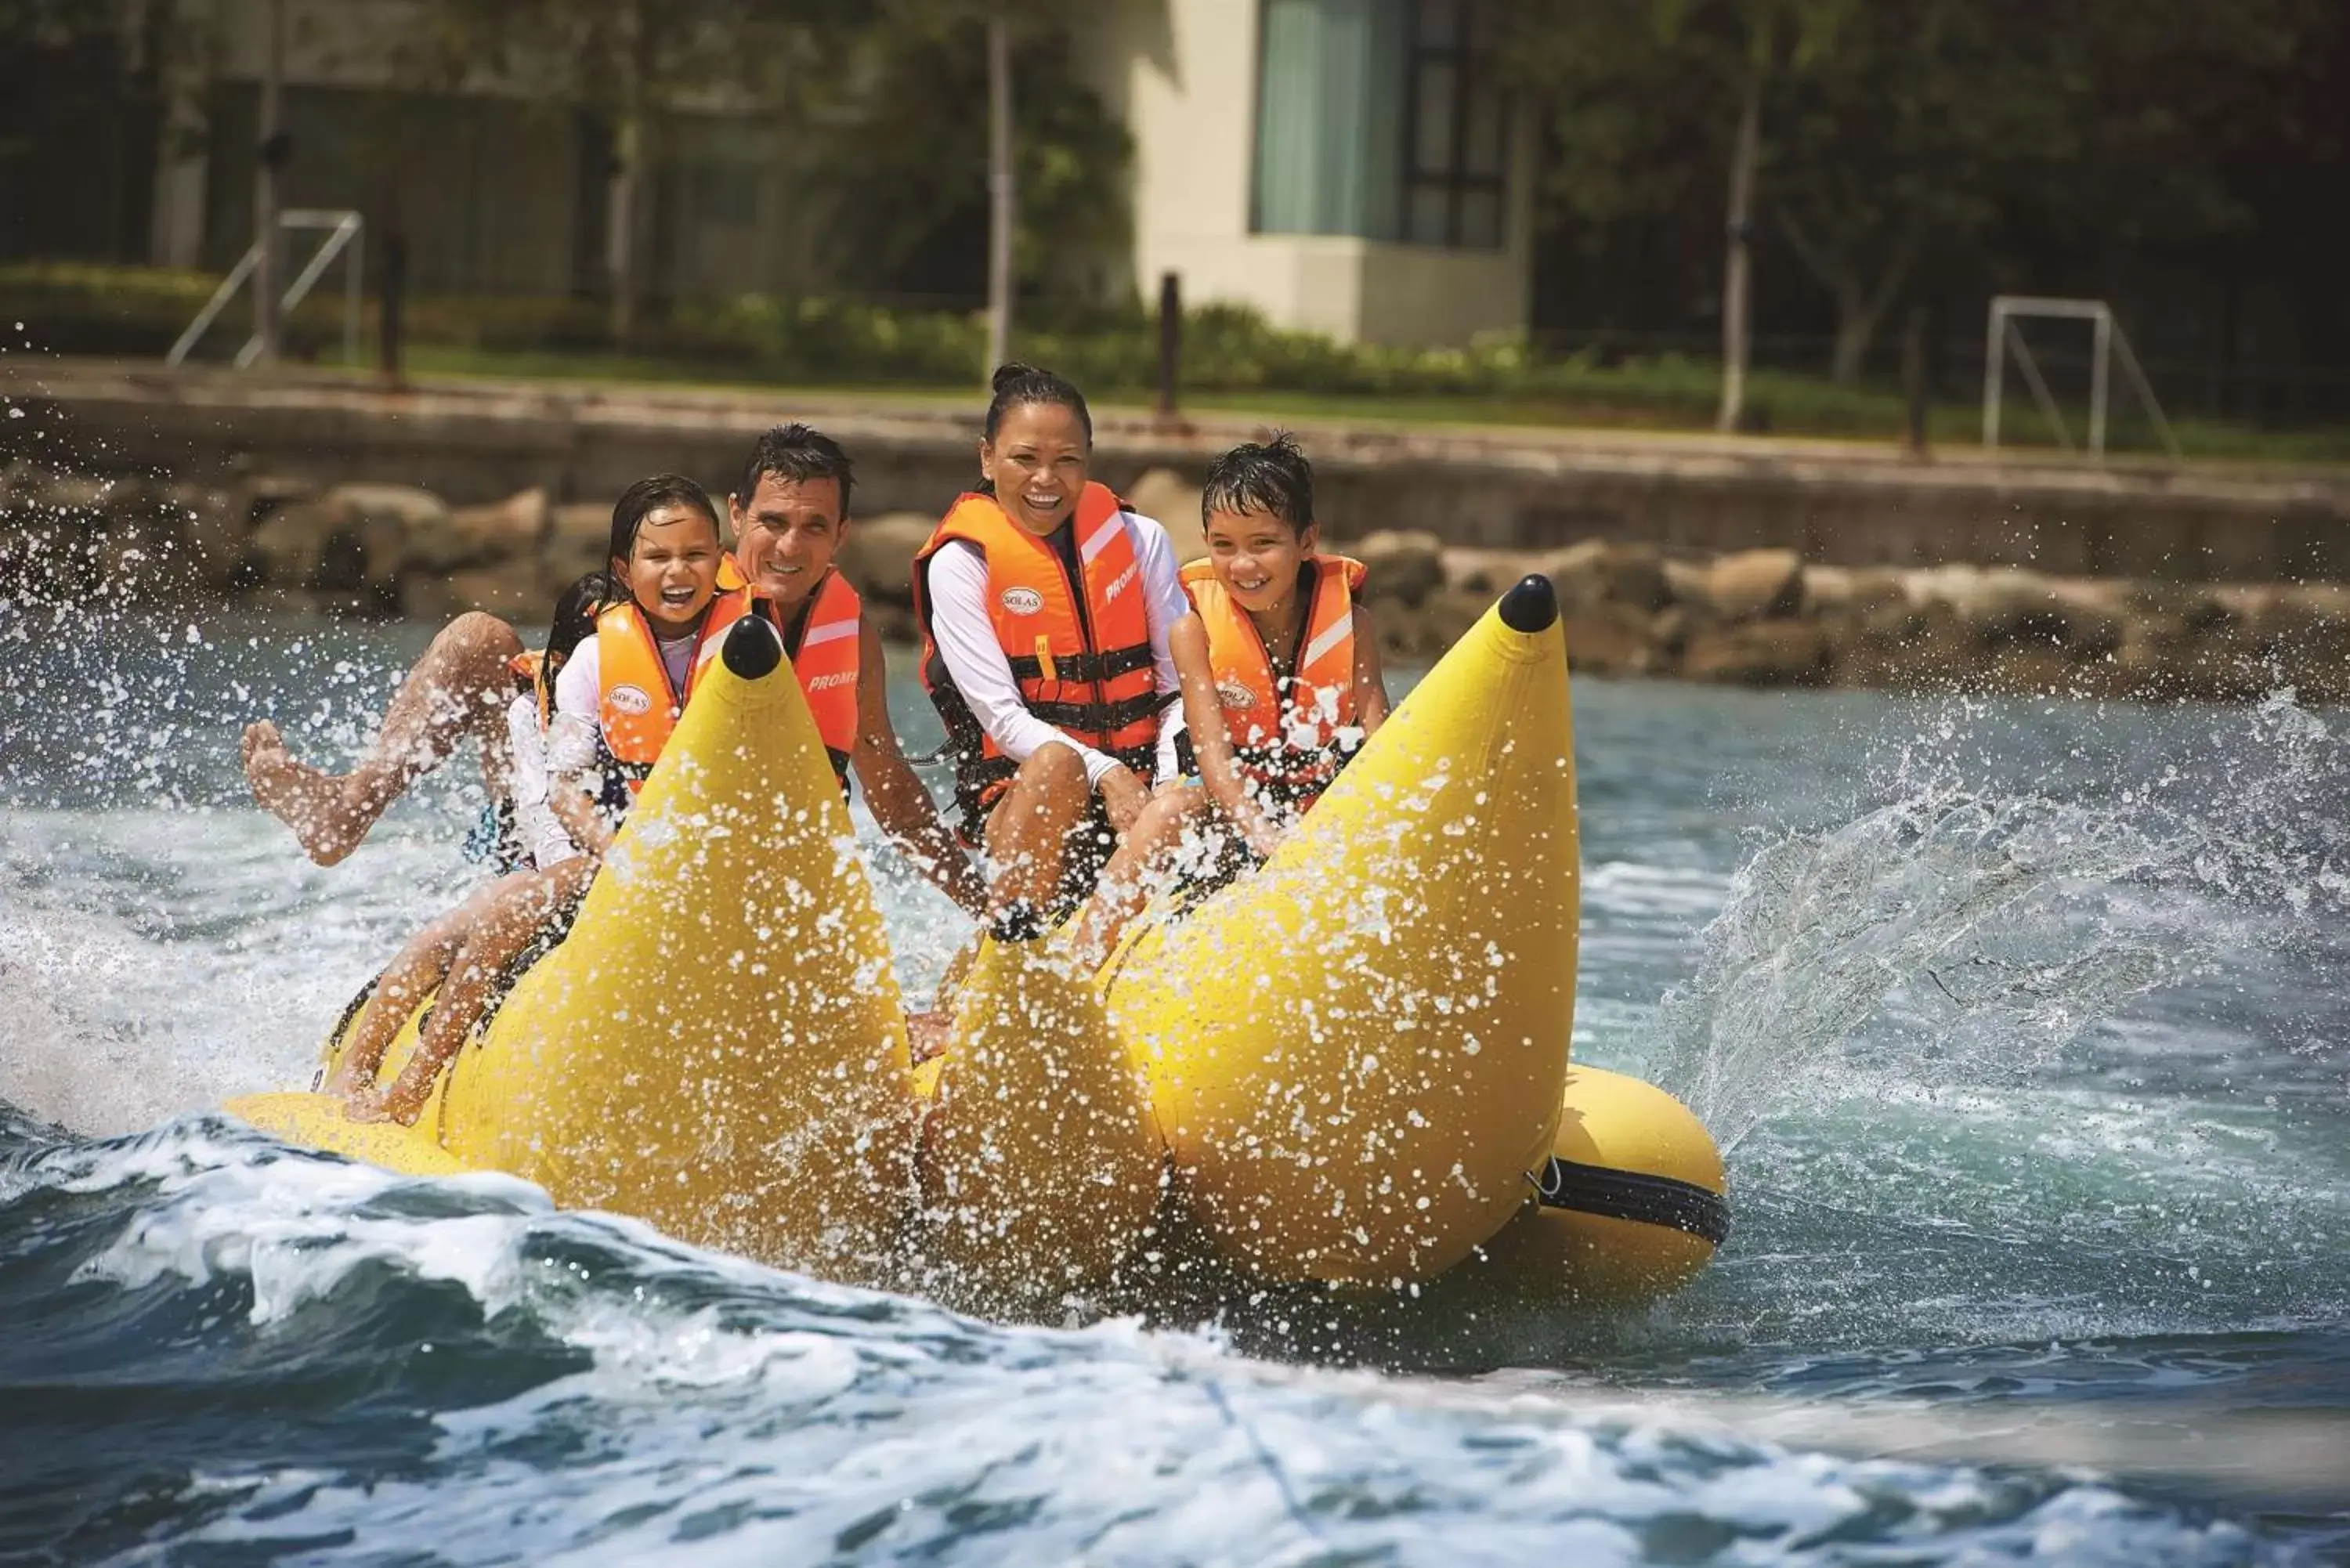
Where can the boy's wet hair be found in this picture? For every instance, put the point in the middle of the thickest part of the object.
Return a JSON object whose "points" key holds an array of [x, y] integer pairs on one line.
{"points": [[801, 452], [1022, 386], [1272, 477], [646, 496]]}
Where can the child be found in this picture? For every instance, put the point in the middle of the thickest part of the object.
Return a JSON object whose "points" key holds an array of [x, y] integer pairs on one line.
{"points": [[616, 696], [524, 818], [1291, 688]]}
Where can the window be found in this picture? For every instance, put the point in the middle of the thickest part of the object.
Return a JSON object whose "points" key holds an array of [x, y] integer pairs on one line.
{"points": [[1373, 120]]}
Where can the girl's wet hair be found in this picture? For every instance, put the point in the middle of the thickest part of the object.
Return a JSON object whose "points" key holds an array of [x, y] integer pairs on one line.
{"points": [[574, 620], [1272, 477], [646, 496], [1021, 385]]}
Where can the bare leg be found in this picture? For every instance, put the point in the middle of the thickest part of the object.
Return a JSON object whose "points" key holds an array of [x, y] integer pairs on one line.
{"points": [[1026, 836], [418, 967], [461, 687], [1141, 864], [522, 904]]}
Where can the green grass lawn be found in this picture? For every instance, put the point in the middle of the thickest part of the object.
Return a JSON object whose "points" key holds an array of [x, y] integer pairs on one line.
{"points": [[1235, 365]]}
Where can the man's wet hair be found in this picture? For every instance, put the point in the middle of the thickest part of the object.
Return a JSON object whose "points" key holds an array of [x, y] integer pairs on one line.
{"points": [[801, 452], [1272, 477]]}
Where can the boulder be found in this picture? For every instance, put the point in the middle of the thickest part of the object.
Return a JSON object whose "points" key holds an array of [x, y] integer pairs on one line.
{"points": [[1599, 572], [1163, 496], [1406, 565], [1856, 592], [1756, 585], [1609, 640], [1685, 584], [878, 556], [479, 535], [1758, 653], [350, 541], [2007, 606], [516, 591], [1421, 633]]}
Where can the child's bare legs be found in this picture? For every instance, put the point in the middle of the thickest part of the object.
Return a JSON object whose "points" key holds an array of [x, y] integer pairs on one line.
{"points": [[1135, 871], [418, 967], [461, 687], [517, 907]]}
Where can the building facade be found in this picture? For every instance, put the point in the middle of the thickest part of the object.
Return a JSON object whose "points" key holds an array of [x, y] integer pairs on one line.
{"points": [[1341, 166], [1344, 166]]}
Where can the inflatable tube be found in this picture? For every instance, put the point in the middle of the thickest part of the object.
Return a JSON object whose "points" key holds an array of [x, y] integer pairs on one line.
{"points": [[1041, 1167], [317, 1121], [718, 1047], [1632, 1201], [1356, 1053]]}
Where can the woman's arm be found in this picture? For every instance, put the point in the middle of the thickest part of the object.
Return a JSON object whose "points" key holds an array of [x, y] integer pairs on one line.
{"points": [[899, 803], [1370, 682], [975, 662]]}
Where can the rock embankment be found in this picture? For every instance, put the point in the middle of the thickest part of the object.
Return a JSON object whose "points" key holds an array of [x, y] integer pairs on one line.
{"points": [[1756, 617]]}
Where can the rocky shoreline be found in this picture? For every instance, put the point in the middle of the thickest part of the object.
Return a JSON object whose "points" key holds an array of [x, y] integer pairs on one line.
{"points": [[1758, 617]]}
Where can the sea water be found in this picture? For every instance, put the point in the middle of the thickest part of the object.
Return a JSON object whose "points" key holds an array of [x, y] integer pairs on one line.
{"points": [[2022, 1021]]}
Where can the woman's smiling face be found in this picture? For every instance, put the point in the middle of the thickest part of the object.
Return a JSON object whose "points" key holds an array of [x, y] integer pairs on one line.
{"points": [[1038, 461]]}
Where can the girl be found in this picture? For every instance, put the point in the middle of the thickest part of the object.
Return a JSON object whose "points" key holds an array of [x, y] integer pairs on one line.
{"points": [[1281, 677], [616, 698], [1047, 610]]}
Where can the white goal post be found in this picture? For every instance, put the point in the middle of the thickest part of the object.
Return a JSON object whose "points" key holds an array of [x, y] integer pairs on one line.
{"points": [[2107, 340]]}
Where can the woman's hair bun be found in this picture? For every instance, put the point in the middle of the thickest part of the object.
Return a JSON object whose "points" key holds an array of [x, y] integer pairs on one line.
{"points": [[1006, 375]]}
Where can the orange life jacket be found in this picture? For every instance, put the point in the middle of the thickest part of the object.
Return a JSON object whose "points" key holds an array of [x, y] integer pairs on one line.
{"points": [[823, 641], [1078, 643], [1293, 730], [639, 707], [528, 669]]}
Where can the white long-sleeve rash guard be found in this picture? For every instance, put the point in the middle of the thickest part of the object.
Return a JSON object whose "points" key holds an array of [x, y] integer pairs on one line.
{"points": [[983, 674]]}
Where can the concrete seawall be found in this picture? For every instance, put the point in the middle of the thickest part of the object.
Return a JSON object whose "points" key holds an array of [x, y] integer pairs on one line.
{"points": [[1845, 504]]}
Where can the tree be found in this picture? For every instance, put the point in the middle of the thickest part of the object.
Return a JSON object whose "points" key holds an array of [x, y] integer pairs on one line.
{"points": [[628, 62], [1891, 137], [916, 131]]}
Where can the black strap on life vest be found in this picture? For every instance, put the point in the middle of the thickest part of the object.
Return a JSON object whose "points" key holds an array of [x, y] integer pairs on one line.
{"points": [[1661, 1200], [1087, 667]]}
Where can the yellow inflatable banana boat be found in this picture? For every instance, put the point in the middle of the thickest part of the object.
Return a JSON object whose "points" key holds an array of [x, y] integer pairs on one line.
{"points": [[1352, 1066]]}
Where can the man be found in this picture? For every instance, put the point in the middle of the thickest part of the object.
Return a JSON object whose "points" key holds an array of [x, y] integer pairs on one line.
{"points": [[790, 515]]}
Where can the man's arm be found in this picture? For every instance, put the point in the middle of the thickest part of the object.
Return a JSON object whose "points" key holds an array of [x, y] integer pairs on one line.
{"points": [[899, 803]]}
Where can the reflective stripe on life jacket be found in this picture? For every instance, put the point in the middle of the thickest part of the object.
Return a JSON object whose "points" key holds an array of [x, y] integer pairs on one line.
{"points": [[1080, 646], [823, 642], [1291, 730], [638, 706]]}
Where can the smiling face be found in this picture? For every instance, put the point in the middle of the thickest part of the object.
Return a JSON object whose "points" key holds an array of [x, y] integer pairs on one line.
{"points": [[785, 535], [1255, 555], [1038, 462], [672, 568]]}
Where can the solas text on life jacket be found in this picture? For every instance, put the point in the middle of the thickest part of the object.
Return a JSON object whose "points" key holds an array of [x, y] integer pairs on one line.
{"points": [[1072, 619], [1292, 729], [640, 707]]}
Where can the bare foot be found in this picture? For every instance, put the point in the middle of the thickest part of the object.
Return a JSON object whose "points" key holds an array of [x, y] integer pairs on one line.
{"points": [[345, 1082], [367, 1105], [309, 802], [927, 1034]]}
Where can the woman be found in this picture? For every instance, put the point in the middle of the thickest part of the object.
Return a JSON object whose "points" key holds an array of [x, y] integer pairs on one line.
{"points": [[1046, 608]]}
